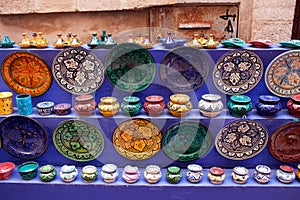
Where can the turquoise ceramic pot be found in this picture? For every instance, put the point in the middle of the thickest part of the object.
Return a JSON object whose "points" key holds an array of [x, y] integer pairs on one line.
{"points": [[131, 106], [239, 105], [28, 170]]}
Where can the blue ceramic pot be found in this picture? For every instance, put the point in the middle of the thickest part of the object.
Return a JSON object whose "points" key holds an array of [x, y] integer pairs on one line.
{"points": [[268, 105], [24, 104]]}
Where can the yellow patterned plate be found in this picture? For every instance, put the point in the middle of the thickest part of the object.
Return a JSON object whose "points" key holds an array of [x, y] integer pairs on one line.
{"points": [[137, 139], [26, 73]]}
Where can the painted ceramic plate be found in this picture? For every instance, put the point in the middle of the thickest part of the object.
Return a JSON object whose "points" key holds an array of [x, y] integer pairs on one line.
{"points": [[282, 76], [78, 140], [233, 42], [241, 139], [238, 72], [284, 144], [23, 137], [26, 73], [290, 44], [137, 139], [260, 43], [186, 141], [130, 67], [78, 71], [184, 69]]}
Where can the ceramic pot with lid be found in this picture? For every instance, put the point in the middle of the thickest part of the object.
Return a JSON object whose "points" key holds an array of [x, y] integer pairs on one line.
{"points": [[268, 105], [293, 105], [239, 105], [194, 173], [210, 105], [109, 173], [173, 174], [154, 105], [179, 105], [152, 174], [216, 175]]}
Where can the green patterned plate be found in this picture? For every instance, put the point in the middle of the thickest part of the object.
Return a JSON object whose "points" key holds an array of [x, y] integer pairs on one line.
{"points": [[186, 141], [78, 140], [130, 67]]}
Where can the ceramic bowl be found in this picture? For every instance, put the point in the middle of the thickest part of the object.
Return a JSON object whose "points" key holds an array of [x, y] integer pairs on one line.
{"points": [[28, 170], [45, 107], [62, 109], [6, 169]]}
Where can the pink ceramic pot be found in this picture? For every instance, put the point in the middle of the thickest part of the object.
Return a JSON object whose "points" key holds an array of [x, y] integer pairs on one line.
{"points": [[85, 104], [6, 169], [154, 105]]}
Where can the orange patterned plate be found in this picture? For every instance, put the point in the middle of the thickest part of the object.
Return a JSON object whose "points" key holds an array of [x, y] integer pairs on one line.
{"points": [[137, 139], [26, 73]]}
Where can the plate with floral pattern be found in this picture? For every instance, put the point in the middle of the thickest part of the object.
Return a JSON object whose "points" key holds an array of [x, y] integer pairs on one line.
{"points": [[184, 69], [186, 141], [137, 139], [282, 76], [23, 137], [130, 67], [78, 71], [78, 140], [241, 139], [238, 72], [26, 73]]}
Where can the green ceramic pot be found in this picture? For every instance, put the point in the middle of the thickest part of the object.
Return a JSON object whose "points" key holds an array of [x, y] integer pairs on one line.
{"points": [[239, 105], [131, 106], [28, 170], [47, 173], [174, 174], [89, 173]]}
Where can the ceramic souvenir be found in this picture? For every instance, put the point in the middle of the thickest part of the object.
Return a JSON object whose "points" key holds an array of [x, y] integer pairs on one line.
{"points": [[47, 173], [108, 106], [202, 40], [194, 173], [131, 105], [154, 105], [169, 42], [152, 174], [268, 105], [68, 40], [75, 42], [239, 105], [94, 42], [130, 39], [293, 105], [285, 174], [109, 173], [6, 170], [240, 175], [89, 173], [68, 173], [6, 42], [28, 170], [174, 174], [62, 109], [216, 175], [25, 42], [179, 105], [40, 42], [295, 44], [34, 40], [24, 104], [195, 43], [6, 104], [210, 105], [298, 172], [233, 42], [146, 43], [262, 174], [110, 40], [45, 107], [261, 43], [131, 174], [59, 43], [85, 104], [104, 36], [211, 42]]}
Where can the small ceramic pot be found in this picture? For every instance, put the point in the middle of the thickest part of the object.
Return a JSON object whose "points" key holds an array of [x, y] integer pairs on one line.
{"points": [[210, 105], [152, 174], [285, 174], [154, 105], [89, 173], [298, 172], [268, 105], [131, 106], [240, 175], [62, 109], [45, 108], [131, 174], [28, 170], [68, 173], [194, 173], [239, 105], [293, 105], [6, 104], [85, 105], [216, 175], [108, 106], [109, 173], [47, 173], [262, 174], [179, 105], [174, 174], [6, 170], [24, 104]]}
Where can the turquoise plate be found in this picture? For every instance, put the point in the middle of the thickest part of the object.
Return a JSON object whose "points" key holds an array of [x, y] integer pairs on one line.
{"points": [[233, 42], [290, 43]]}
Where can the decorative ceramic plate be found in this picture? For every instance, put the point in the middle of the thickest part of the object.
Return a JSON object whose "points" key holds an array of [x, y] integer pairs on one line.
{"points": [[137, 139], [130, 67], [26, 73], [237, 72], [261, 43], [23, 137], [284, 144], [78, 71], [186, 141], [290, 44], [78, 140], [184, 69], [283, 74], [233, 42], [241, 139]]}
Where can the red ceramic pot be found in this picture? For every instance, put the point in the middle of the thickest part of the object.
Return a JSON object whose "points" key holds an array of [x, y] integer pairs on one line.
{"points": [[293, 105], [154, 105], [6, 169]]}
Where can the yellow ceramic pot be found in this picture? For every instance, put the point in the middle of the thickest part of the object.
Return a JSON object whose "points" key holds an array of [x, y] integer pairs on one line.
{"points": [[179, 105], [108, 106], [6, 106]]}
